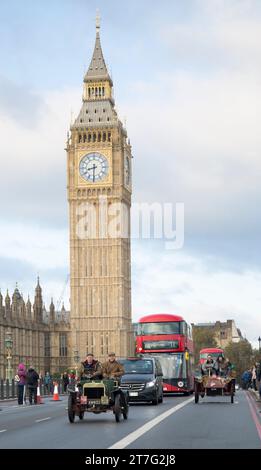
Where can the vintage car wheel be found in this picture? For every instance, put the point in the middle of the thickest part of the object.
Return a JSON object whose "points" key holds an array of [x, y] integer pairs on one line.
{"points": [[117, 408], [196, 397], [71, 412]]}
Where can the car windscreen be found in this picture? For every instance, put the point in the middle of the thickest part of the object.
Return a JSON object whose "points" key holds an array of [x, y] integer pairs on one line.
{"points": [[137, 367]]}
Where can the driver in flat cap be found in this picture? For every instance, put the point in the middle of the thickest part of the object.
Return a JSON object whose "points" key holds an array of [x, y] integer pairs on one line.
{"points": [[112, 369]]}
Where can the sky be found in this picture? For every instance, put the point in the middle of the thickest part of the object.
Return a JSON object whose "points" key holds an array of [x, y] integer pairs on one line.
{"points": [[187, 80]]}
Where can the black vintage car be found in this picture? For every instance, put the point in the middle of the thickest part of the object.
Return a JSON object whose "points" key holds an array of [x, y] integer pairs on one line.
{"points": [[97, 396]]}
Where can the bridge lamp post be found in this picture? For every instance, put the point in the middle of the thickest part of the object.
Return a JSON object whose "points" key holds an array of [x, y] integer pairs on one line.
{"points": [[9, 347], [76, 361], [259, 342]]}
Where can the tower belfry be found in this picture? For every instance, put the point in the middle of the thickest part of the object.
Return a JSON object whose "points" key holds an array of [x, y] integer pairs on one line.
{"points": [[99, 195]]}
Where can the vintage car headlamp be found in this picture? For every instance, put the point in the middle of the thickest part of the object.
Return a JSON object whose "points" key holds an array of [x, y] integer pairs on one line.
{"points": [[151, 383], [180, 384], [104, 400]]}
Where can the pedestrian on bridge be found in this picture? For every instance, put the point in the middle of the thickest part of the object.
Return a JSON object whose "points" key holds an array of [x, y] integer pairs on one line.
{"points": [[21, 384], [65, 381], [48, 383], [32, 381], [253, 370]]}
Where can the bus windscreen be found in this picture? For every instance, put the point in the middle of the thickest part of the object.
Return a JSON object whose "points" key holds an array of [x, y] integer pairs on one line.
{"points": [[173, 365], [160, 328]]}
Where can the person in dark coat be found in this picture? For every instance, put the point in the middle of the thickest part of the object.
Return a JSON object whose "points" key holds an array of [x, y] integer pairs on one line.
{"points": [[32, 381], [21, 372], [65, 380], [90, 368], [220, 366], [258, 367]]}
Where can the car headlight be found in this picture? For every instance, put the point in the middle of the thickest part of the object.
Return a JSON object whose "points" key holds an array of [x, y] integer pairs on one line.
{"points": [[180, 384], [150, 384]]}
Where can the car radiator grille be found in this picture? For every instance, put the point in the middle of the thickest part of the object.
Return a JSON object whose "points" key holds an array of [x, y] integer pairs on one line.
{"points": [[132, 387], [94, 393]]}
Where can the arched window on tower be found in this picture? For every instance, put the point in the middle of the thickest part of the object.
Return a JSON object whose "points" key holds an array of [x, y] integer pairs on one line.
{"points": [[109, 136], [94, 137], [99, 137], [80, 138], [104, 136], [89, 137]]}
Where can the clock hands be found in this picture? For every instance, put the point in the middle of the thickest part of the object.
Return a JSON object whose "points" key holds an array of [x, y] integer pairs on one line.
{"points": [[93, 168]]}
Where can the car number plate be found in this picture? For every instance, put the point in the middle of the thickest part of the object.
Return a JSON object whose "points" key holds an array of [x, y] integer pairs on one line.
{"points": [[133, 394]]}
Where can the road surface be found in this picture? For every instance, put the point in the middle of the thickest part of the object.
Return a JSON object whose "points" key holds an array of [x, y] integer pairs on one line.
{"points": [[178, 423]]}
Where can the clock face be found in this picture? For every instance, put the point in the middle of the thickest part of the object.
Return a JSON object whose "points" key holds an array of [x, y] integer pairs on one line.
{"points": [[94, 167]]}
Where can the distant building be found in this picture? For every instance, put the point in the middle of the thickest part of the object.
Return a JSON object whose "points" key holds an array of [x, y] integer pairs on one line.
{"points": [[40, 338], [225, 332]]}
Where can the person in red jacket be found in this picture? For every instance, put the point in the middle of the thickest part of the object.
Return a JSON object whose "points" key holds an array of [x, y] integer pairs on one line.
{"points": [[21, 384]]}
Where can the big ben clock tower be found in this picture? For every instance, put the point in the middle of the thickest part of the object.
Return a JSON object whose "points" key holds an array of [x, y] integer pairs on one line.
{"points": [[99, 195]]}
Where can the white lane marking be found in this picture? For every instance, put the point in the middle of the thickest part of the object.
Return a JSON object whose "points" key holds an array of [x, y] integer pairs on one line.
{"points": [[148, 426], [43, 419], [3, 430]]}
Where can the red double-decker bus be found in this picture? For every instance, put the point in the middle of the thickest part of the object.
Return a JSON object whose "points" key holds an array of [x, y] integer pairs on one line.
{"points": [[214, 352], [169, 338]]}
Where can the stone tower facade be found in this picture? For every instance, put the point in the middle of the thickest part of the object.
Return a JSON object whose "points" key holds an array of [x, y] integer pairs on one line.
{"points": [[99, 195]]}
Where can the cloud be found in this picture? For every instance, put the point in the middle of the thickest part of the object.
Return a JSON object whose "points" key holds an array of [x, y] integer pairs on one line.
{"points": [[42, 247], [194, 126], [19, 104], [200, 146], [34, 160], [182, 283]]}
